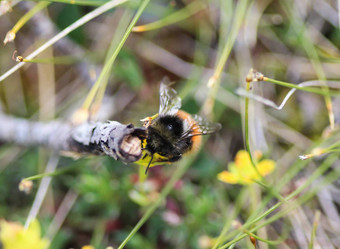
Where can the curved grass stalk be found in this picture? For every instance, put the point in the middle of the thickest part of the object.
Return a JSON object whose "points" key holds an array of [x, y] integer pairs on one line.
{"points": [[96, 12], [267, 102], [304, 88], [175, 17]]}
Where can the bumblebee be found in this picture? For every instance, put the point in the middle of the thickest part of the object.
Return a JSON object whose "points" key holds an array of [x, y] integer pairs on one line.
{"points": [[171, 133]]}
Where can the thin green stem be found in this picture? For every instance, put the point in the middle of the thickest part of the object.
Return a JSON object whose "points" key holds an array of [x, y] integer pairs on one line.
{"points": [[182, 168], [239, 18], [332, 176], [24, 19], [107, 68], [246, 131], [247, 142], [294, 169], [175, 17], [123, 23], [54, 173], [214, 81], [55, 60], [315, 226], [86, 18], [269, 242], [238, 206], [320, 170], [331, 147]]}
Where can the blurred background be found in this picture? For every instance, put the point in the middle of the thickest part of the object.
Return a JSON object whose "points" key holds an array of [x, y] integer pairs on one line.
{"points": [[97, 201]]}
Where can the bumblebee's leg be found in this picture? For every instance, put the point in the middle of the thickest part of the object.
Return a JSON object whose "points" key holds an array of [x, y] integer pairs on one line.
{"points": [[147, 168], [175, 158], [146, 122]]}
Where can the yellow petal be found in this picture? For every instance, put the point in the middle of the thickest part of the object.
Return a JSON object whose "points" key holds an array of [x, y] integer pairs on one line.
{"points": [[242, 160], [266, 166], [246, 180], [233, 169], [14, 236], [242, 171], [226, 176]]}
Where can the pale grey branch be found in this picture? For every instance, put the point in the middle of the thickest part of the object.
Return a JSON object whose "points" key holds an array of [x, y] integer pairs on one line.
{"points": [[122, 142]]}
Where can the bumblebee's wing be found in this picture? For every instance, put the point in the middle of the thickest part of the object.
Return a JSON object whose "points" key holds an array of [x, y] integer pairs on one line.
{"points": [[203, 126], [170, 102]]}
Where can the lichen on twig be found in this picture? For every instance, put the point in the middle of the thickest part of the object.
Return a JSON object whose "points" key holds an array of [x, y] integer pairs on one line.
{"points": [[122, 142]]}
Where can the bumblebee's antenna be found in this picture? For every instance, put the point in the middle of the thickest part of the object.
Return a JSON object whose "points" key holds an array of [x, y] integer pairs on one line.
{"points": [[147, 168]]}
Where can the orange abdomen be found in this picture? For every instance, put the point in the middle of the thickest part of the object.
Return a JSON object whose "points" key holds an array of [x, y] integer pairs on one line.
{"points": [[195, 129]]}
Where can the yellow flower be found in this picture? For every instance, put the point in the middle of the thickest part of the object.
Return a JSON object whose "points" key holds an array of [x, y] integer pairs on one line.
{"points": [[242, 171], [87, 247], [14, 235]]}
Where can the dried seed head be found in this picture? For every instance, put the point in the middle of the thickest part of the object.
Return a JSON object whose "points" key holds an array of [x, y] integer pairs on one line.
{"points": [[10, 36], [315, 152], [26, 186], [253, 75], [19, 59], [305, 157]]}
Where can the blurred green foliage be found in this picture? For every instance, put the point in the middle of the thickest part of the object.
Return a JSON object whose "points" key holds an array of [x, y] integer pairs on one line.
{"points": [[194, 213]]}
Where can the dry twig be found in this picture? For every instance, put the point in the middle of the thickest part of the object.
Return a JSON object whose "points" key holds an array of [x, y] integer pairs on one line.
{"points": [[122, 142]]}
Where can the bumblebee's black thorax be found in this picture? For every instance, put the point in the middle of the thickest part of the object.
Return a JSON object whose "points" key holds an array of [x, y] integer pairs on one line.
{"points": [[165, 137]]}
